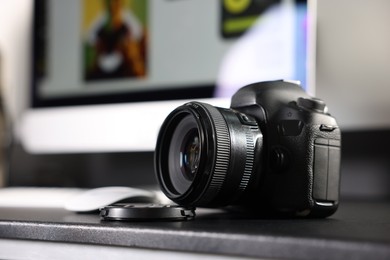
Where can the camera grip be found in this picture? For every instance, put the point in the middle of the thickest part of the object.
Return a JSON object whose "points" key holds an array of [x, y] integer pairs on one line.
{"points": [[326, 169]]}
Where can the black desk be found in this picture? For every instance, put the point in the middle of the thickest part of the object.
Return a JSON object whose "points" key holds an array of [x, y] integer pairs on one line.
{"points": [[356, 231]]}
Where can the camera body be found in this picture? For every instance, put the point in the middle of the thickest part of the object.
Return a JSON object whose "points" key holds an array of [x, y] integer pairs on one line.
{"points": [[301, 148], [276, 150]]}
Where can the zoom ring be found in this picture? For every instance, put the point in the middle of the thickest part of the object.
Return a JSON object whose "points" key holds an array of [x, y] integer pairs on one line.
{"points": [[222, 156]]}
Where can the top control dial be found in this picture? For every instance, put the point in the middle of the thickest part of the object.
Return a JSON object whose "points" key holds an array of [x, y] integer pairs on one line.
{"points": [[314, 104]]}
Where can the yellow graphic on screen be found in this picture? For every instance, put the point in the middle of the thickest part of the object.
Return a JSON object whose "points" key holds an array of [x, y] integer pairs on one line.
{"points": [[237, 16], [236, 6]]}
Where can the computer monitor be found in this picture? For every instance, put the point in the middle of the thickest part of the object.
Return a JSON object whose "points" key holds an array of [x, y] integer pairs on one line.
{"points": [[101, 87]]}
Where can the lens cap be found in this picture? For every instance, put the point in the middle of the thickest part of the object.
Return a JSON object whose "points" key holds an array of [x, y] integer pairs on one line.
{"points": [[146, 212]]}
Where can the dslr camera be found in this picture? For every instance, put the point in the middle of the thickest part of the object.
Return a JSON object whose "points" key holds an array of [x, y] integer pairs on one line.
{"points": [[275, 151]]}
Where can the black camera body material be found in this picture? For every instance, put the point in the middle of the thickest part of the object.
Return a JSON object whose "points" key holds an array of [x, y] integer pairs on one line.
{"points": [[275, 151]]}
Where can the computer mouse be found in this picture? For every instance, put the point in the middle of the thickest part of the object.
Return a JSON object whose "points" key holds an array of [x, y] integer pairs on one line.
{"points": [[94, 199]]}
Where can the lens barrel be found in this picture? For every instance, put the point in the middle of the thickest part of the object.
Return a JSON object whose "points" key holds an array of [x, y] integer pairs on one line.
{"points": [[206, 156]]}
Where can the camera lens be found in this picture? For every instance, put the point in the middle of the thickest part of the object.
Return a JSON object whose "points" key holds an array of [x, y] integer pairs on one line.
{"points": [[206, 156]]}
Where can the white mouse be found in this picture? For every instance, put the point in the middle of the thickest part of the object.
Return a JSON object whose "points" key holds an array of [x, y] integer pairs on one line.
{"points": [[95, 199]]}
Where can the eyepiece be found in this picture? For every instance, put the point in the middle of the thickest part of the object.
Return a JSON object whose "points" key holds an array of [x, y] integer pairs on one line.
{"points": [[205, 155]]}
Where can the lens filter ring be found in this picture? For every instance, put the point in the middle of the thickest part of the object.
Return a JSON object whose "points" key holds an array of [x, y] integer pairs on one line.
{"points": [[222, 155], [175, 132], [187, 122]]}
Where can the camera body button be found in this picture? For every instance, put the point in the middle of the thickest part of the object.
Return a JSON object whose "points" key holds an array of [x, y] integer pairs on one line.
{"points": [[246, 120], [327, 128], [279, 159]]}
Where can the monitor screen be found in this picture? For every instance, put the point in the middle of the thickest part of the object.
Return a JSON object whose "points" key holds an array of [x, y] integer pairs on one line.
{"points": [[120, 57]]}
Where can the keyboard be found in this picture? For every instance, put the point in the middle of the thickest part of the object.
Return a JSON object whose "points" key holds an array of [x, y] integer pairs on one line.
{"points": [[36, 197]]}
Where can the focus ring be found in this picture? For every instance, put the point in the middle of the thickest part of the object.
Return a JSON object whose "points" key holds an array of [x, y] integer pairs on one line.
{"points": [[250, 156], [222, 156]]}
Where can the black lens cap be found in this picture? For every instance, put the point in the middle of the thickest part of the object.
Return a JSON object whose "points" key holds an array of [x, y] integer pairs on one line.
{"points": [[146, 212]]}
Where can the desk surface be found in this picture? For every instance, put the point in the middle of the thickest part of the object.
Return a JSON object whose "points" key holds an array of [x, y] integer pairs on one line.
{"points": [[357, 230]]}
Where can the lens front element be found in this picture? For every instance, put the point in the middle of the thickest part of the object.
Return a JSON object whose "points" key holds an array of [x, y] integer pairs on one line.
{"points": [[183, 153], [190, 154]]}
